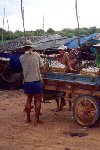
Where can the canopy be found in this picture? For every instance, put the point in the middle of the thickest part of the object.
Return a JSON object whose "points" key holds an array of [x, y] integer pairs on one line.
{"points": [[74, 43]]}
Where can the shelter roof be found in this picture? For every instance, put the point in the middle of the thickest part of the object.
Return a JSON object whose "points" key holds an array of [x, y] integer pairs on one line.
{"points": [[83, 40]]}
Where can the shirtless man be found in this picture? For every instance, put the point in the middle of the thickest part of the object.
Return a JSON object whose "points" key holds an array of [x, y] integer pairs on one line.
{"points": [[63, 58]]}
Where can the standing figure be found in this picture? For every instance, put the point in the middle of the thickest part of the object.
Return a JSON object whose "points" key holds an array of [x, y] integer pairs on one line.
{"points": [[31, 64], [63, 58]]}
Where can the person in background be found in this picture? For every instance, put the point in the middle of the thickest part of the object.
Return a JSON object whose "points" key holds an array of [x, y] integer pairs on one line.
{"points": [[63, 58], [31, 64]]}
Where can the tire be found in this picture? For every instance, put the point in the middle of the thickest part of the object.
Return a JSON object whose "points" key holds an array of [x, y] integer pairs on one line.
{"points": [[86, 110]]}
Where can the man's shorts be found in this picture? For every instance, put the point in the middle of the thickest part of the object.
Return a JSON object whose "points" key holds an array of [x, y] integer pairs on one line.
{"points": [[34, 87]]}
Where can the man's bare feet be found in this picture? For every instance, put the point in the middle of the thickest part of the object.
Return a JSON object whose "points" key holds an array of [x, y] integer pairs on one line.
{"points": [[57, 110], [36, 122], [28, 121]]}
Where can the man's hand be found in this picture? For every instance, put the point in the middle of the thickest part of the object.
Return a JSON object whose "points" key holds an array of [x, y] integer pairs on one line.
{"points": [[73, 71], [43, 69]]}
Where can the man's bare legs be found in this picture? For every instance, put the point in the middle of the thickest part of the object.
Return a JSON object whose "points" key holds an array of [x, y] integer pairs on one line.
{"points": [[37, 103], [62, 103], [28, 107], [70, 103], [57, 101]]}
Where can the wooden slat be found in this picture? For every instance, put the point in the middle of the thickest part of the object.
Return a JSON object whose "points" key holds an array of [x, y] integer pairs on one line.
{"points": [[81, 91], [96, 93]]}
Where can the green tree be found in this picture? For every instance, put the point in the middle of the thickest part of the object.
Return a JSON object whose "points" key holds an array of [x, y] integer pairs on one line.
{"points": [[67, 32], [39, 32], [50, 31], [92, 30], [84, 31]]}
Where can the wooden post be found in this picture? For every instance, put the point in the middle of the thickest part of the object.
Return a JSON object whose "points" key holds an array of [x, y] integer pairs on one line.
{"points": [[22, 12], [3, 28], [77, 24]]}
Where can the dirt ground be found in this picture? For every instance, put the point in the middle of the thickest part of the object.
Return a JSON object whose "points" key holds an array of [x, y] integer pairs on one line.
{"points": [[54, 134]]}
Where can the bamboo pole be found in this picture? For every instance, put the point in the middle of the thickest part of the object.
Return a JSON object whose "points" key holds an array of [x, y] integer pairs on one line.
{"points": [[22, 12], [8, 27], [77, 17], [3, 28]]}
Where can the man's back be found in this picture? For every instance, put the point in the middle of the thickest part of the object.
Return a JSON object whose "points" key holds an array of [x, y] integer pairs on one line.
{"points": [[31, 63]]}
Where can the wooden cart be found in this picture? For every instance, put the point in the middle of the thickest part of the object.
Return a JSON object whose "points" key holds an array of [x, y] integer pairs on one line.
{"points": [[85, 91]]}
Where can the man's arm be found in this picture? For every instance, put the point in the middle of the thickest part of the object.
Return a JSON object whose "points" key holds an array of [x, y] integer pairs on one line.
{"points": [[53, 56], [42, 65], [68, 64]]}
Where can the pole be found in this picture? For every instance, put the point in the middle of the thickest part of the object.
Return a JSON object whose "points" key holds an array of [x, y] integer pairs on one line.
{"points": [[3, 27], [22, 12], [77, 24], [8, 27], [43, 22]]}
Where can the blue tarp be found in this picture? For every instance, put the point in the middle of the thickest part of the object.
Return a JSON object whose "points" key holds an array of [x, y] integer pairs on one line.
{"points": [[74, 43], [15, 65]]}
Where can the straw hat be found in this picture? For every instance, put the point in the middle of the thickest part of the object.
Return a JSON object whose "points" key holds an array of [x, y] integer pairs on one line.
{"points": [[28, 43], [62, 47]]}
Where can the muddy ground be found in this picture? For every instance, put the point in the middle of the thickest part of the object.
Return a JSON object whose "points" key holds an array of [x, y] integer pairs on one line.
{"points": [[54, 134]]}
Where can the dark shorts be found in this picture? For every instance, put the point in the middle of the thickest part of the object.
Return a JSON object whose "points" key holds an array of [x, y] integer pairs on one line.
{"points": [[33, 87]]}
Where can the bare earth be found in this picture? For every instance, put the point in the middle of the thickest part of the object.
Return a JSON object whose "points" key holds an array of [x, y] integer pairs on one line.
{"points": [[54, 134]]}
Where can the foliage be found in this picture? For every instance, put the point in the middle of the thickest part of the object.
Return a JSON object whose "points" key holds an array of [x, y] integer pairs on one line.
{"points": [[50, 31], [68, 32], [39, 32]]}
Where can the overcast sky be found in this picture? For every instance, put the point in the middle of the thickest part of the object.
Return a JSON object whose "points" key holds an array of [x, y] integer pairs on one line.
{"points": [[58, 14]]}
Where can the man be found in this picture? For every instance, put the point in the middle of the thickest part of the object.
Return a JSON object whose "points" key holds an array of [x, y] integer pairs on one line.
{"points": [[62, 58], [31, 63]]}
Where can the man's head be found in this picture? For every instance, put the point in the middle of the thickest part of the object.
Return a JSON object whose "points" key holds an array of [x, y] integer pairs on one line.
{"points": [[28, 45], [62, 49]]}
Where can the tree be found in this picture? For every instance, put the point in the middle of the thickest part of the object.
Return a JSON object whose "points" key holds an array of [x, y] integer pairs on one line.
{"points": [[83, 31], [50, 31], [67, 32], [39, 32], [92, 30]]}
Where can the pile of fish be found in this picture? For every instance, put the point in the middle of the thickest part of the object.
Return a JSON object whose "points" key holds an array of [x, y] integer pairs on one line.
{"points": [[91, 71], [55, 66]]}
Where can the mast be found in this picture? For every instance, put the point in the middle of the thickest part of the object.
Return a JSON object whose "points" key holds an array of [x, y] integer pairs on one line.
{"points": [[3, 28], [22, 12], [43, 21], [43, 24], [8, 27], [77, 17]]}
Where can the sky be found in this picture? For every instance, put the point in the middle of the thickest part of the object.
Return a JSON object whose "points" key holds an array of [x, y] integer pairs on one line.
{"points": [[58, 14]]}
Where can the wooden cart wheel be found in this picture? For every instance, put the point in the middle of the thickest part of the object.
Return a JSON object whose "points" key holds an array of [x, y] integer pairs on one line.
{"points": [[86, 110]]}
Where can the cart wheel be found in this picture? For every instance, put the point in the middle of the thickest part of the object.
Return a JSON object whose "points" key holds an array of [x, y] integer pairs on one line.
{"points": [[86, 110]]}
